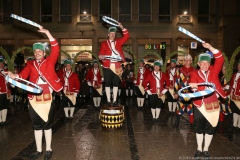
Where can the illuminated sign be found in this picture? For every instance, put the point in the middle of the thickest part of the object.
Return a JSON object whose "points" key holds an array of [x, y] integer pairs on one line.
{"points": [[155, 46]]}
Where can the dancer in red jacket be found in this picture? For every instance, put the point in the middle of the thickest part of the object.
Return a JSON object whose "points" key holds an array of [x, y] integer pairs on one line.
{"points": [[94, 80], [159, 84], [111, 55], [41, 71], [206, 108], [71, 88]]}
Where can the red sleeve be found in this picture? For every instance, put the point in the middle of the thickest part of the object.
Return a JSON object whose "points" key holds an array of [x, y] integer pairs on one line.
{"points": [[88, 76], [145, 81], [52, 58], [166, 79], [77, 83], [24, 74]]}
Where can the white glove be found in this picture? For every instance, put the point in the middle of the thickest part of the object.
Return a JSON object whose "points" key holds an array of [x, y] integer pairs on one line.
{"points": [[149, 92], [217, 95], [134, 81], [164, 91], [102, 79], [226, 87], [89, 83], [75, 94], [12, 86]]}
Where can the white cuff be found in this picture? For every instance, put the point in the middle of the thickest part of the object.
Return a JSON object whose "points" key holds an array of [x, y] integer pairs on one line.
{"points": [[149, 92], [215, 51], [89, 83], [75, 94], [164, 91]]}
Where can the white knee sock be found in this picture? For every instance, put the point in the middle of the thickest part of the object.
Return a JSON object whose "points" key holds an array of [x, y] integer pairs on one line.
{"points": [[4, 115], [98, 101], [199, 138], [146, 95], [95, 101], [38, 139], [207, 141], [142, 101], [119, 92], [235, 119], [138, 102], [126, 92], [115, 91], [107, 89], [72, 111], [131, 92], [238, 125], [174, 106], [48, 138], [0, 116], [158, 110], [153, 112], [170, 106], [66, 109]]}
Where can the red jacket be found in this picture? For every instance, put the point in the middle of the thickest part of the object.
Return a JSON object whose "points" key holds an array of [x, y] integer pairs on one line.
{"points": [[46, 68], [235, 91], [90, 77], [164, 82], [106, 50], [73, 82], [3, 84], [145, 73], [197, 76], [168, 72]]}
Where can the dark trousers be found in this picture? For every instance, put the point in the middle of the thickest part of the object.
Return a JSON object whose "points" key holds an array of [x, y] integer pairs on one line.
{"points": [[170, 98], [37, 122], [95, 93], [66, 101], [155, 101], [139, 93], [201, 123], [4, 102], [110, 77]]}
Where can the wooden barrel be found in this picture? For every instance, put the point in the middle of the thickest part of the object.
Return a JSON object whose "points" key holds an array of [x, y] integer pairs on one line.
{"points": [[112, 117]]}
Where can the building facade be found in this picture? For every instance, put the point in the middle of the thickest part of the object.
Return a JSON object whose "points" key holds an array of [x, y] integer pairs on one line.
{"points": [[153, 24]]}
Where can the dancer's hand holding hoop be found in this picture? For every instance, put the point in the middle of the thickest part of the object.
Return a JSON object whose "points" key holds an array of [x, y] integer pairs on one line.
{"points": [[11, 75]]}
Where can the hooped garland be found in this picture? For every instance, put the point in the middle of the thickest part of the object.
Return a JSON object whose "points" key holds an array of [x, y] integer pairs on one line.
{"points": [[229, 69], [10, 61], [77, 54], [164, 68]]}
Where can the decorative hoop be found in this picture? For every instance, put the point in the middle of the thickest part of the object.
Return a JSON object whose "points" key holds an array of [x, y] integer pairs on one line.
{"points": [[110, 21], [188, 96], [29, 86], [115, 58], [25, 20], [190, 34]]}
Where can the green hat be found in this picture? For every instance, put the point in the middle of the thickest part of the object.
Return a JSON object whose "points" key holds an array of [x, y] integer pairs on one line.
{"points": [[68, 61], [142, 60], [30, 58], [112, 29], [2, 60], [158, 63], [95, 61], [173, 60], [41, 46], [204, 57]]}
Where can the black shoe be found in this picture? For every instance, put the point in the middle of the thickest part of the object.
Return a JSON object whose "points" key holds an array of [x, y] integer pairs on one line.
{"points": [[70, 118], [108, 104], [66, 119], [206, 155], [173, 113], [198, 154], [5, 123], [157, 120], [48, 155], [154, 120], [115, 103], [1, 124], [35, 155]]}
